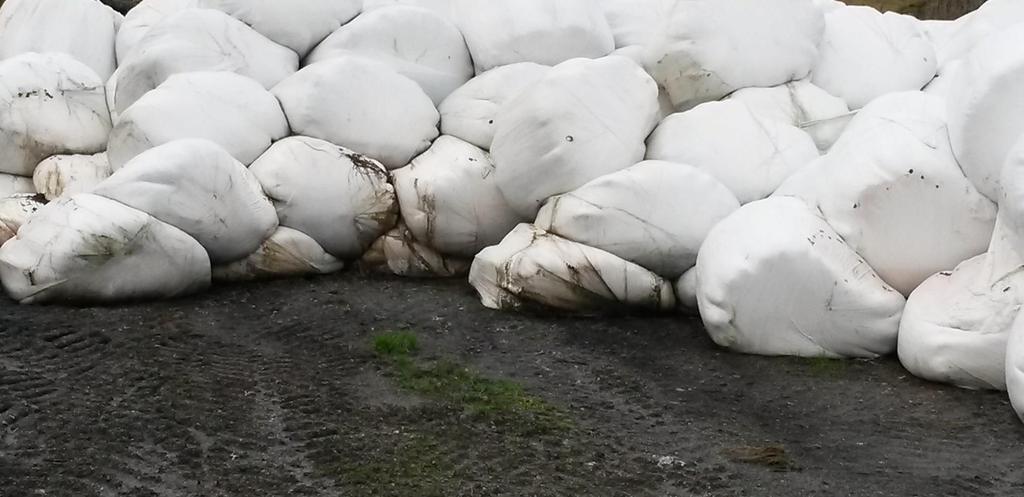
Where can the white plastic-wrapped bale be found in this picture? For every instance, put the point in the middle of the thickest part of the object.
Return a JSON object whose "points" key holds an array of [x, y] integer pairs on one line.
{"points": [[286, 253], [11, 184], [964, 34], [541, 31], [449, 199], [339, 198], [775, 279], [200, 40], [110, 93], [636, 23], [228, 109], [362, 105], [297, 24], [800, 104], [956, 324], [686, 290], [866, 54], [83, 29], [63, 175], [415, 42], [52, 105], [15, 211], [443, 8], [710, 48], [196, 186], [533, 266], [655, 214], [893, 160], [986, 108], [1015, 366], [87, 248], [584, 119], [143, 16], [399, 253], [708, 137], [470, 112]]}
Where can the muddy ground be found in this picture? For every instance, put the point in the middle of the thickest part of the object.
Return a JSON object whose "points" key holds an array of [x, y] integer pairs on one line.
{"points": [[276, 390]]}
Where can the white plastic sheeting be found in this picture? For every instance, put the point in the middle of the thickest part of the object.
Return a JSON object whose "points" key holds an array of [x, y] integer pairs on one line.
{"points": [[450, 201], [52, 104], [143, 16], [686, 290], [800, 104], [749, 155], [339, 198], [584, 119], [710, 48], [965, 33], [228, 109], [87, 248], [891, 187], [399, 253], [63, 175], [15, 211], [199, 188], [655, 214], [986, 108], [541, 31], [286, 253], [200, 40], [297, 24], [1015, 366], [636, 23], [471, 112], [361, 105], [413, 41], [866, 54], [533, 266], [775, 279], [11, 184], [83, 29], [956, 324]]}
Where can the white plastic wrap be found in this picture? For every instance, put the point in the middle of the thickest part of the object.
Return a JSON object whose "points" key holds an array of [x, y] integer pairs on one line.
{"points": [[1015, 366], [415, 42], [63, 175], [361, 105], [866, 54], [399, 253], [286, 253], [710, 48], [297, 24], [775, 279], [450, 201], [86, 248], [541, 31], [584, 119], [655, 214], [83, 29], [230, 110], [891, 187], [531, 265], [986, 108], [200, 40], [749, 155], [52, 104], [800, 104], [11, 184], [339, 198], [470, 112], [15, 211], [199, 188]]}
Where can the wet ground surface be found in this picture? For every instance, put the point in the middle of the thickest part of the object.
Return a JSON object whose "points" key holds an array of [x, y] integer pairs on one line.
{"points": [[275, 390]]}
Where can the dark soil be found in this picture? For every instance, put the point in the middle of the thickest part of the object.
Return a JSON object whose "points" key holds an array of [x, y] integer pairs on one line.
{"points": [[276, 390]]}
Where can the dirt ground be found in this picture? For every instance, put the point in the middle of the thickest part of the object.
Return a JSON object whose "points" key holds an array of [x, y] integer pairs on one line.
{"points": [[275, 390]]}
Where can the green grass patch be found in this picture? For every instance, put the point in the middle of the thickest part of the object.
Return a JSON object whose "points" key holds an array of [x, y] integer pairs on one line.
{"points": [[460, 388], [415, 465]]}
